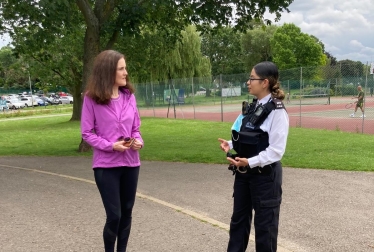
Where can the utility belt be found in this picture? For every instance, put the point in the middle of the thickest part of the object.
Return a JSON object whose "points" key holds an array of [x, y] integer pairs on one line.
{"points": [[266, 170]]}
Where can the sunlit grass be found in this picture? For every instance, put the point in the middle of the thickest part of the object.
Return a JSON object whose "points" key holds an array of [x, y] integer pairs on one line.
{"points": [[189, 141]]}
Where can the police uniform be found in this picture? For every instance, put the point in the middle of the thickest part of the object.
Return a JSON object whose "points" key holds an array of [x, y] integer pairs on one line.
{"points": [[258, 187]]}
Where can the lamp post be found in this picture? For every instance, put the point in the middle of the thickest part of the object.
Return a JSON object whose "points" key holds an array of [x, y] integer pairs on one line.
{"points": [[32, 98]]}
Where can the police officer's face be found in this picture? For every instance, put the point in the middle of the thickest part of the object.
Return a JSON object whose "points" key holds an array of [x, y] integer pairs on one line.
{"points": [[257, 86]]}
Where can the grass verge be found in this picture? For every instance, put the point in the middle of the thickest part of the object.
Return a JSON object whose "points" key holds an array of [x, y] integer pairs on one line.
{"points": [[190, 141]]}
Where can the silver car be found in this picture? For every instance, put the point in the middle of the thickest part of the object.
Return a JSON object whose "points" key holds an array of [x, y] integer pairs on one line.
{"points": [[66, 100]]}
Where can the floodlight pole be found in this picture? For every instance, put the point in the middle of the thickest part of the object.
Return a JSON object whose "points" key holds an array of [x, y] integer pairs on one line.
{"points": [[32, 98]]}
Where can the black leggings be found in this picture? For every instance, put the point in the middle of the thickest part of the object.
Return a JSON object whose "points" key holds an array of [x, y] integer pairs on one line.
{"points": [[117, 187]]}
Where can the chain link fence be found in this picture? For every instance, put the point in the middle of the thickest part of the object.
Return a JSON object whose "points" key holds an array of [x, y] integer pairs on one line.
{"points": [[316, 97]]}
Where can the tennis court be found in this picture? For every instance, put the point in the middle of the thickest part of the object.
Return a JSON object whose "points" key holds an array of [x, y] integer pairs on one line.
{"points": [[312, 112]]}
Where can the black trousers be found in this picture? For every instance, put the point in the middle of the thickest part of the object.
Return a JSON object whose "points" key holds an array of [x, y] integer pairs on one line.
{"points": [[117, 188], [261, 194]]}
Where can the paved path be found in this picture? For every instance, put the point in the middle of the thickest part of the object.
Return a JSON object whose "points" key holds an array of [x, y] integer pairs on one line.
{"points": [[52, 204]]}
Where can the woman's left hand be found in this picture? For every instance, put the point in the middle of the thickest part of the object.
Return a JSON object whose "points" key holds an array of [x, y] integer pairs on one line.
{"points": [[238, 162], [137, 145]]}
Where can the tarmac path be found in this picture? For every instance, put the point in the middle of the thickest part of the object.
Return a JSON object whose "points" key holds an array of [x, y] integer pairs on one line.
{"points": [[52, 204]]}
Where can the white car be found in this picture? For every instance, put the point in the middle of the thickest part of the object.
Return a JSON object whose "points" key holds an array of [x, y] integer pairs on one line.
{"points": [[28, 102], [12, 96], [66, 100], [15, 104]]}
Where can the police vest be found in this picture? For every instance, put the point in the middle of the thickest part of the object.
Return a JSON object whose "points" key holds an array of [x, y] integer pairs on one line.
{"points": [[251, 140]]}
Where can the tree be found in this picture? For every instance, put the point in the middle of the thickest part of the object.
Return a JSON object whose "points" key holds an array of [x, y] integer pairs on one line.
{"points": [[7, 59], [152, 51], [152, 59], [56, 64], [292, 48], [350, 68], [331, 60], [256, 45], [223, 48]]}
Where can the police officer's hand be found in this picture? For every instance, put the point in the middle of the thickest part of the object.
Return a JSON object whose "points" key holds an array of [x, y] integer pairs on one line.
{"points": [[224, 145], [238, 161]]}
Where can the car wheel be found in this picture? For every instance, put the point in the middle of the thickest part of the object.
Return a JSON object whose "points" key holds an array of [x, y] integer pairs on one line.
{"points": [[60, 102], [71, 102]]}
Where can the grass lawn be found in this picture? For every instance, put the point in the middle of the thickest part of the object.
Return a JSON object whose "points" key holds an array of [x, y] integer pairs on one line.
{"points": [[189, 141]]}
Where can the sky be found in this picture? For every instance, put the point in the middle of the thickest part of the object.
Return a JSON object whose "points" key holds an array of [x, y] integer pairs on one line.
{"points": [[4, 40], [345, 27]]}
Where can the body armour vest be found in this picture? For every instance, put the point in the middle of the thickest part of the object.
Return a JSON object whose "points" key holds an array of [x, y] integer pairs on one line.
{"points": [[251, 140]]}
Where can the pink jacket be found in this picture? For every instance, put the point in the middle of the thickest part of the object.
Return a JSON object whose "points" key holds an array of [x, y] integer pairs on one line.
{"points": [[101, 127]]}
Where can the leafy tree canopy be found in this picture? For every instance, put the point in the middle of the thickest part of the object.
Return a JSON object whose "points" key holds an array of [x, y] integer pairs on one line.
{"points": [[223, 48], [151, 58], [292, 48], [350, 68], [256, 45]]}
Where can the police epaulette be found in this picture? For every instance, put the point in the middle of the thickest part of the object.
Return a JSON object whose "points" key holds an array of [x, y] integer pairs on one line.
{"points": [[278, 103]]}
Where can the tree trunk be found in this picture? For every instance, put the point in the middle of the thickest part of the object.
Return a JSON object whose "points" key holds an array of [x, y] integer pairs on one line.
{"points": [[84, 146], [91, 49]]}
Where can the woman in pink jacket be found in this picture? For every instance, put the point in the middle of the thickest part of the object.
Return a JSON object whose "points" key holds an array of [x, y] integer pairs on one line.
{"points": [[110, 124]]}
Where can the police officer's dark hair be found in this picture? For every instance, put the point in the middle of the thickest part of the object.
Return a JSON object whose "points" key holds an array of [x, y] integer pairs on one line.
{"points": [[268, 70]]}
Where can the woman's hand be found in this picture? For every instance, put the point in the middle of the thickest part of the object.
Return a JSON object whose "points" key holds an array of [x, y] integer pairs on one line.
{"points": [[120, 146], [137, 145], [224, 145]]}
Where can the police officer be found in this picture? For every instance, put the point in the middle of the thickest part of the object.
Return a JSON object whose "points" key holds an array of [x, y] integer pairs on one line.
{"points": [[259, 137]]}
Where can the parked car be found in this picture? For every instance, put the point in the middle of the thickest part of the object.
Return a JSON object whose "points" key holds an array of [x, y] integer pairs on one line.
{"points": [[41, 102], [46, 100], [52, 100], [12, 96], [28, 102], [66, 100], [15, 104]]}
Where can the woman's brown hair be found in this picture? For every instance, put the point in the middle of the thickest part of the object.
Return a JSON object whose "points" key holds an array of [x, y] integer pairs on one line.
{"points": [[268, 70], [103, 76]]}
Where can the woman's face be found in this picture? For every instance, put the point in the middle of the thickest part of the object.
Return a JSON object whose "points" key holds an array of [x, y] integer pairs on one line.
{"points": [[257, 86], [121, 73]]}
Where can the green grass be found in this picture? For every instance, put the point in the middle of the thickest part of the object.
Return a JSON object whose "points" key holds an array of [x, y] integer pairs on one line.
{"points": [[38, 110], [189, 141]]}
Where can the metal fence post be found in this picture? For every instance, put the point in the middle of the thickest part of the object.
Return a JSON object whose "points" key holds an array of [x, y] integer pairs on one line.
{"points": [[301, 93], [193, 99], [220, 87]]}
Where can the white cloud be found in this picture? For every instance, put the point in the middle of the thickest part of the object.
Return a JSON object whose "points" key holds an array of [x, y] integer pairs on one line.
{"points": [[345, 27], [4, 40]]}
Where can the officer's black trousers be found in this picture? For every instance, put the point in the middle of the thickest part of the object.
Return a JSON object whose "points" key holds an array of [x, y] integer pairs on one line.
{"points": [[262, 194]]}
